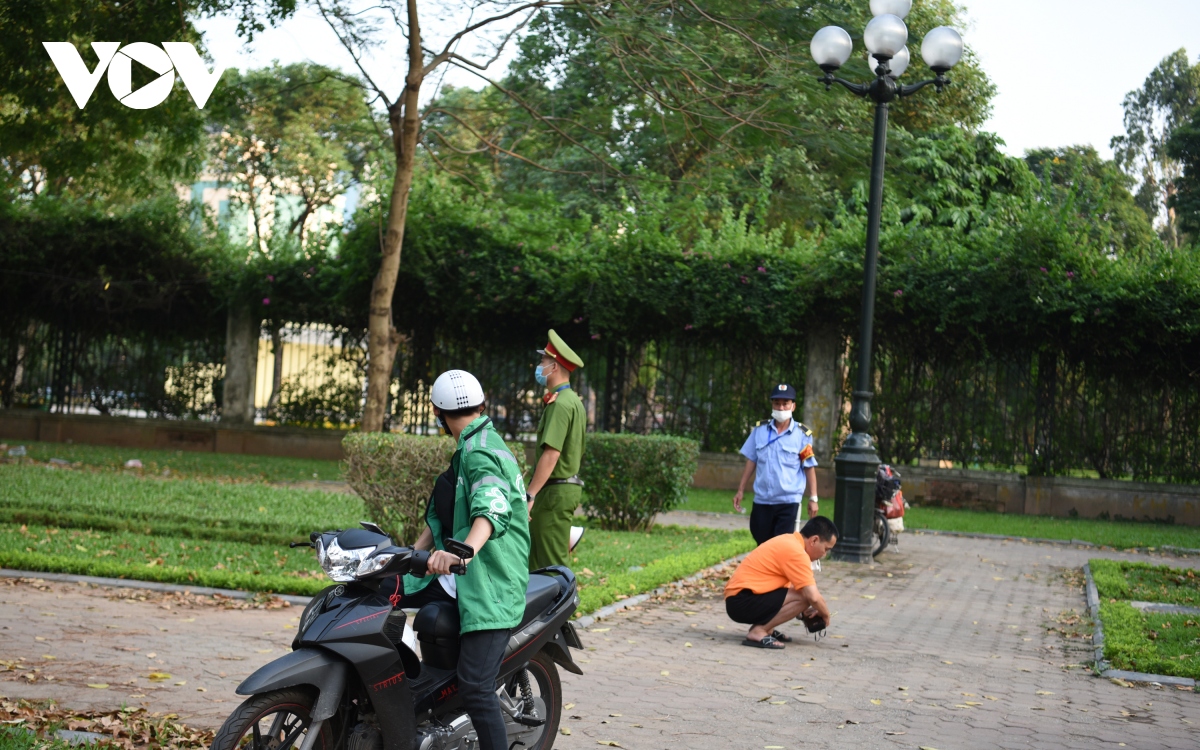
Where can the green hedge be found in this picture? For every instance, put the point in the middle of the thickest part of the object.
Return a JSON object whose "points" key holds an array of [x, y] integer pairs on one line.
{"points": [[275, 584], [394, 474], [630, 478]]}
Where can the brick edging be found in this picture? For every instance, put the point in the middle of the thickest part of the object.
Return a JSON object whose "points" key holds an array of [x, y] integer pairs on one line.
{"points": [[588, 620], [1102, 670]]}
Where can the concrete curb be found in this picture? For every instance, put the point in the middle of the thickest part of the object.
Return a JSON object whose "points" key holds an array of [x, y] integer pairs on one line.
{"points": [[150, 585], [1093, 601], [1177, 551], [588, 620]]}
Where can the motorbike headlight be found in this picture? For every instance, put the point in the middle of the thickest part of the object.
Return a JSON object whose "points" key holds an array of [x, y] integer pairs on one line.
{"points": [[342, 564], [373, 565]]}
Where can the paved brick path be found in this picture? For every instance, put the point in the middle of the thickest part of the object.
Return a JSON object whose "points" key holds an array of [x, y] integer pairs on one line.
{"points": [[969, 626]]}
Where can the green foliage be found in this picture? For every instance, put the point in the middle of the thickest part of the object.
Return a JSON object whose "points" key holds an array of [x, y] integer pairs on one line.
{"points": [[1150, 642], [1118, 534], [221, 564], [394, 474], [631, 478], [185, 502], [1143, 582], [106, 150], [715, 99], [300, 130], [604, 579], [1152, 113]]}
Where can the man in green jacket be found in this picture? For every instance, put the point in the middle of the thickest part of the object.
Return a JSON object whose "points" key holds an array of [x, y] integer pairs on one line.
{"points": [[491, 596], [555, 490]]}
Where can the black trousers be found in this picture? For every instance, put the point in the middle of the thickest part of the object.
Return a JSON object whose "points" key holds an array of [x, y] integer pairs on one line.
{"points": [[767, 521], [479, 656]]}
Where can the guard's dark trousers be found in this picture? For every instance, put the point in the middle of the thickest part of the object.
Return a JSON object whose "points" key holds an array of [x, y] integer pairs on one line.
{"points": [[767, 521]]}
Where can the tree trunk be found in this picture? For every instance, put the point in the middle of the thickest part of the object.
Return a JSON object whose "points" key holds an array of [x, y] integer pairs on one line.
{"points": [[241, 366], [276, 371], [382, 336], [823, 391]]}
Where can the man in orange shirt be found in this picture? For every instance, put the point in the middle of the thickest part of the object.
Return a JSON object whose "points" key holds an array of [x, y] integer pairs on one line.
{"points": [[775, 583]]}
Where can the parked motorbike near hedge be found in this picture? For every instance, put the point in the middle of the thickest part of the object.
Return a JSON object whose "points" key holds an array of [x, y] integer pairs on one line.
{"points": [[889, 508], [351, 683]]}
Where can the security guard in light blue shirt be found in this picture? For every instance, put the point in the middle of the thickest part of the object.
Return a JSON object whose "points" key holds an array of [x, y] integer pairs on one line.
{"points": [[781, 450]]}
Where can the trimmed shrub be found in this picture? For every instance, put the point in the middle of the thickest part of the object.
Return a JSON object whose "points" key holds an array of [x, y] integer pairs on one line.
{"points": [[394, 473], [631, 478]]}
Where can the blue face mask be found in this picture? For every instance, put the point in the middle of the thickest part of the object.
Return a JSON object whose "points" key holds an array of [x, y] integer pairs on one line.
{"points": [[540, 375]]}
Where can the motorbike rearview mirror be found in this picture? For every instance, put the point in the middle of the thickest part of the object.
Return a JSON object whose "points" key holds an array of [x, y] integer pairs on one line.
{"points": [[294, 545], [459, 549]]}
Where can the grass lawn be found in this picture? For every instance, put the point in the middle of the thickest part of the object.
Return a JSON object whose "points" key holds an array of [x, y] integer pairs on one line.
{"points": [[233, 535], [31, 493], [1143, 582], [1149, 642], [156, 557], [1119, 534], [714, 501], [195, 464]]}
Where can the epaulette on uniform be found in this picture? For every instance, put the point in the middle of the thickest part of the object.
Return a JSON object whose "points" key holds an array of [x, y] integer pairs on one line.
{"points": [[804, 429], [766, 421]]}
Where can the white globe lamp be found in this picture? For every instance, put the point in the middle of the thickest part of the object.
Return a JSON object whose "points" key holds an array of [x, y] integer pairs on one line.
{"points": [[831, 48], [891, 7], [885, 36], [896, 66], [942, 48]]}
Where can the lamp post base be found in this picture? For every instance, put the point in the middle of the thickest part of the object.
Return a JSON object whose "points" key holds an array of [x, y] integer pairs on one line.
{"points": [[854, 500]]}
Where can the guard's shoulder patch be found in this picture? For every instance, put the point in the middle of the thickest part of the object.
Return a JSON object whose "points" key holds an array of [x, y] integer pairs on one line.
{"points": [[764, 422], [804, 428]]}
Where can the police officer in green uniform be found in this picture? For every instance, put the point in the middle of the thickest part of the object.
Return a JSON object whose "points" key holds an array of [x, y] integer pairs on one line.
{"points": [[556, 490], [487, 486]]}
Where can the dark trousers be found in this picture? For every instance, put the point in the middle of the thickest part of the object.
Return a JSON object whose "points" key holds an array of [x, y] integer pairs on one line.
{"points": [[767, 521], [479, 656]]}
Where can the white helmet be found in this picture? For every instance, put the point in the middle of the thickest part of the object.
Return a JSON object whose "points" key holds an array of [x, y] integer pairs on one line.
{"points": [[456, 389]]}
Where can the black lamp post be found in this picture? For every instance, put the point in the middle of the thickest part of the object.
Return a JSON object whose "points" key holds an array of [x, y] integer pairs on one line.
{"points": [[885, 37]]}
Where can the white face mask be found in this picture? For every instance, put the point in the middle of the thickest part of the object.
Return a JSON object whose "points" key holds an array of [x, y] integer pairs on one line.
{"points": [[780, 415]]}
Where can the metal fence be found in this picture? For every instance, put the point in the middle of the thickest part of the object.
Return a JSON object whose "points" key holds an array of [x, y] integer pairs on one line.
{"points": [[70, 372], [1037, 413], [712, 393]]}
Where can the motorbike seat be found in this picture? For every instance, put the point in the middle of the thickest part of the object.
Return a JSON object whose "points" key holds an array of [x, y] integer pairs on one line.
{"points": [[540, 594]]}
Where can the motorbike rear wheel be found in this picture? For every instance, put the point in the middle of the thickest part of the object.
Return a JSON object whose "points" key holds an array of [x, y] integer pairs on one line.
{"points": [[277, 720], [881, 533], [547, 691]]}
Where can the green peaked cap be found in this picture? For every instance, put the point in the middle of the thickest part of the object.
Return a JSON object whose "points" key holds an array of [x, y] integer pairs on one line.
{"points": [[558, 349]]}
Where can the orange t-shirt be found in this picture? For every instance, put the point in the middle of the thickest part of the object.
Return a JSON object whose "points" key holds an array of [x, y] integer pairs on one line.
{"points": [[778, 562]]}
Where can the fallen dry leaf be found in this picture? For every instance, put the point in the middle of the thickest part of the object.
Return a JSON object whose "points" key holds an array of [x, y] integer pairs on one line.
{"points": [[895, 734], [1043, 692], [565, 730], [609, 743], [158, 676], [778, 703], [98, 685], [665, 673], [876, 702], [568, 707]]}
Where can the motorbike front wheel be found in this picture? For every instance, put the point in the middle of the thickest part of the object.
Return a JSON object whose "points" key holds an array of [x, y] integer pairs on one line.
{"points": [[277, 720], [881, 533]]}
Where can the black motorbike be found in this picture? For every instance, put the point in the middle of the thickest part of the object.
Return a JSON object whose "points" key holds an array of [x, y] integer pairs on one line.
{"points": [[351, 683]]}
